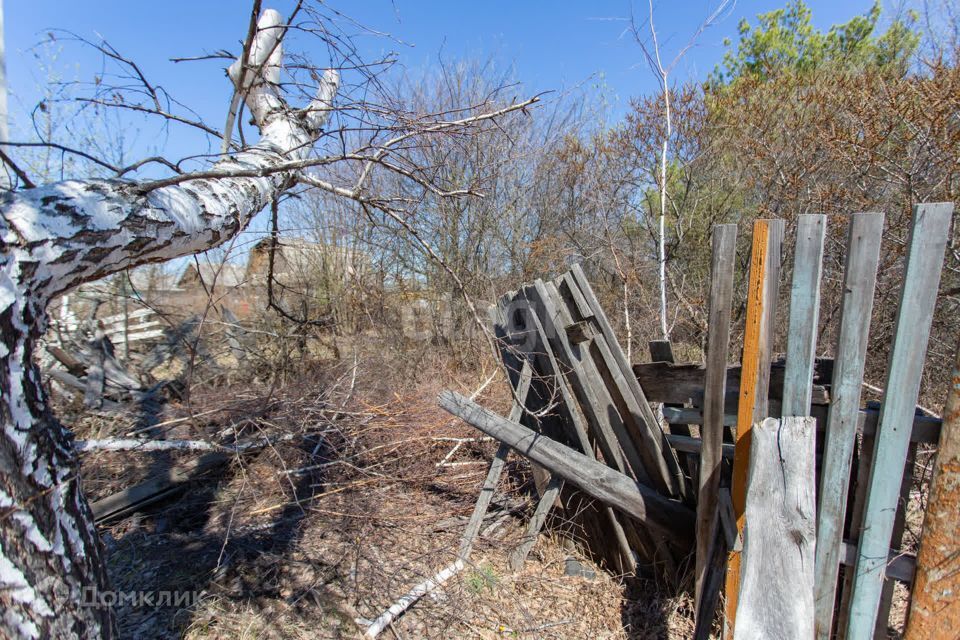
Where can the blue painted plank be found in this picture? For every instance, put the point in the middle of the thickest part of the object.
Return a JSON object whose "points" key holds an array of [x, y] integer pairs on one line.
{"points": [[804, 314], [859, 283], [928, 240]]}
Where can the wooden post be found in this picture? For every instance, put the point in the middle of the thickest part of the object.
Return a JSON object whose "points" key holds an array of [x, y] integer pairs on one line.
{"points": [[859, 282], [928, 240], [755, 379], [935, 606], [776, 596], [711, 433], [804, 315]]}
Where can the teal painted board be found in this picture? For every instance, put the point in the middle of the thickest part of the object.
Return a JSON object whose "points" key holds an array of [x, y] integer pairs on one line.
{"points": [[804, 314], [859, 283], [928, 241]]}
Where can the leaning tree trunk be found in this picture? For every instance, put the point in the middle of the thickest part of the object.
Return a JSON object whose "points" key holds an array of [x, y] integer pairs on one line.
{"points": [[59, 236]]}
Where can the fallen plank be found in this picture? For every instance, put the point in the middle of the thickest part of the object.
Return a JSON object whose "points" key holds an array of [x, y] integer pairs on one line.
{"points": [[642, 503], [155, 488]]}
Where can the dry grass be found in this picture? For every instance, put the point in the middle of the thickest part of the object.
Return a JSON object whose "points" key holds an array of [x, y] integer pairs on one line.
{"points": [[306, 537]]}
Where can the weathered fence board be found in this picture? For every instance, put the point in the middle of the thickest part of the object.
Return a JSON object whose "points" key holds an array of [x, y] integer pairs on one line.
{"points": [[859, 282], [928, 239], [519, 555], [566, 421], [776, 592], [496, 470], [655, 437], [925, 429], [804, 315], [711, 455], [666, 516], [680, 383], [757, 345]]}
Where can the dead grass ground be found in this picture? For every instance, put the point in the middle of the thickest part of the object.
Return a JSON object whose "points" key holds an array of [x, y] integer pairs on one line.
{"points": [[310, 535]]}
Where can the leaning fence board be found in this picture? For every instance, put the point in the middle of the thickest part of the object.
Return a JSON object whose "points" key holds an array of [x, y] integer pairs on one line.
{"points": [[928, 239], [776, 592], [935, 606], [515, 317], [804, 315], [757, 345], [859, 282], [655, 435], [718, 345], [496, 470], [594, 478], [597, 398], [550, 495]]}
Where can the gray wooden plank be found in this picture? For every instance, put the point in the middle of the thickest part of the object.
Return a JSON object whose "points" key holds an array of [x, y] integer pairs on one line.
{"points": [[684, 382], [572, 422], [925, 429], [804, 314], [776, 592], [859, 282], [594, 398], [648, 507], [881, 629], [724, 245], [496, 470], [156, 487], [655, 434], [926, 246], [519, 555], [604, 398]]}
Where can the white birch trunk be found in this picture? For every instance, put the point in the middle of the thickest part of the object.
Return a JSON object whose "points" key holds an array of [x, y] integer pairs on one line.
{"points": [[54, 238]]}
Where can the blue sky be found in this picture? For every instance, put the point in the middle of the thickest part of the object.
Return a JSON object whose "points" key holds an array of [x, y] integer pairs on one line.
{"points": [[549, 45]]}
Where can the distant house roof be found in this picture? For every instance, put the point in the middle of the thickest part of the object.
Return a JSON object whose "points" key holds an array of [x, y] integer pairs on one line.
{"points": [[297, 258], [224, 275], [151, 279]]}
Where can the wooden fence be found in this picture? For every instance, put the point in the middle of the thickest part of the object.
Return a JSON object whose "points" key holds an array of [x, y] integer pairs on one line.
{"points": [[800, 490]]}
